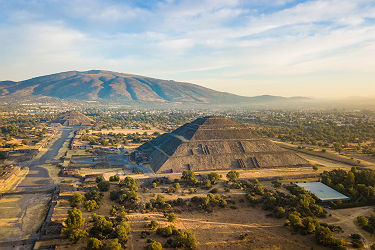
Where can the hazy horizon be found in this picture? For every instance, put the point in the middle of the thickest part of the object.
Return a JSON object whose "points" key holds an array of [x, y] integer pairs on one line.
{"points": [[322, 48]]}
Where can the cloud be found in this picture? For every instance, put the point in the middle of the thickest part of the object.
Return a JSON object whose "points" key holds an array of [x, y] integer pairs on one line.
{"points": [[234, 41]]}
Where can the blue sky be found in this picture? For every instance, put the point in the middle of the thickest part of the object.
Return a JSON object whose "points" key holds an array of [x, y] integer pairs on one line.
{"points": [[320, 48]]}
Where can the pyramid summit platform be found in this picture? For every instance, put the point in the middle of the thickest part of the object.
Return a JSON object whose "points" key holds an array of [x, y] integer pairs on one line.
{"points": [[73, 118], [213, 143]]}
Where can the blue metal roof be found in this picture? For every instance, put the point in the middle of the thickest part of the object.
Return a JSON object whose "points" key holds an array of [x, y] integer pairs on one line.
{"points": [[322, 191]]}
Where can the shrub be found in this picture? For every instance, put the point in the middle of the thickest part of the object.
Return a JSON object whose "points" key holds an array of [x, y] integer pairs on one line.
{"points": [[99, 179], [94, 244], [276, 183], [121, 216], [91, 205], [153, 224], [113, 244], [115, 194], [167, 231], [324, 236], [74, 234], [189, 176], [295, 219], [114, 178], [128, 182], [76, 199], [214, 177], [233, 175], [172, 217], [362, 221], [280, 212], [102, 228], [94, 195], [186, 239], [103, 186], [155, 245], [75, 219], [357, 241], [122, 230], [176, 185]]}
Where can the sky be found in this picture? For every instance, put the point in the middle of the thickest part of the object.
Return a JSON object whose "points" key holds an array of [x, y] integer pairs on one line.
{"points": [[322, 48]]}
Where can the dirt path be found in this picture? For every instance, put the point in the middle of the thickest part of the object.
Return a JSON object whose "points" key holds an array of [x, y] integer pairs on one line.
{"points": [[252, 225], [22, 215], [38, 177], [345, 218]]}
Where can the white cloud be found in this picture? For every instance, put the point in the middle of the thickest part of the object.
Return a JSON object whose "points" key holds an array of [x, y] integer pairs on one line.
{"points": [[217, 41]]}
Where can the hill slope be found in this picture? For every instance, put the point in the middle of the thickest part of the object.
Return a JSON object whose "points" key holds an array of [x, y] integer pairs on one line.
{"points": [[112, 86]]}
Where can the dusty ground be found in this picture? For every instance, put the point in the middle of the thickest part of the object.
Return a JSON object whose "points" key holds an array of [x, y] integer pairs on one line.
{"points": [[22, 215], [222, 228], [218, 230], [14, 180], [19, 219], [346, 219]]}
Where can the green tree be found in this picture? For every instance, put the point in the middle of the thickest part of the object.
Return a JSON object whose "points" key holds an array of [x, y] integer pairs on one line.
{"points": [[94, 195], [114, 178], [103, 186], [155, 245], [214, 177], [72, 228], [113, 244], [75, 219], [233, 175], [362, 221], [91, 205], [128, 182], [176, 185], [76, 199], [186, 239], [122, 230], [189, 176], [295, 219], [102, 228], [94, 244]]}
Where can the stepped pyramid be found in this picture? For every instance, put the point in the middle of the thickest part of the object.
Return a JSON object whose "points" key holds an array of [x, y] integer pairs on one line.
{"points": [[213, 143], [73, 118]]}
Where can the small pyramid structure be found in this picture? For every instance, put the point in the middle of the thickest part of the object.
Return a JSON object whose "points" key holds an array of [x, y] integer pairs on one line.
{"points": [[73, 118], [213, 143]]}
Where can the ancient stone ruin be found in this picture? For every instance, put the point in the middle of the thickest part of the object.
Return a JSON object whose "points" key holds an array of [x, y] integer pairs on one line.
{"points": [[73, 118], [213, 143]]}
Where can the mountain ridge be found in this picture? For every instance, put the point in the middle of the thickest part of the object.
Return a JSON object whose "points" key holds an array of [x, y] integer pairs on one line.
{"points": [[94, 85]]}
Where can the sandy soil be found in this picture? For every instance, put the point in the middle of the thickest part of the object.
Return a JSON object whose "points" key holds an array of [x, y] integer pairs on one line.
{"points": [[222, 228], [20, 217], [346, 219]]}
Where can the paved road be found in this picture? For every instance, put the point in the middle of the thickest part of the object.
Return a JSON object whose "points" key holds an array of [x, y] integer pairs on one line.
{"points": [[38, 177]]}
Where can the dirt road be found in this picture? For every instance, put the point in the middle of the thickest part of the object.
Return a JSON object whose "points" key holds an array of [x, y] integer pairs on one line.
{"points": [[22, 214]]}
